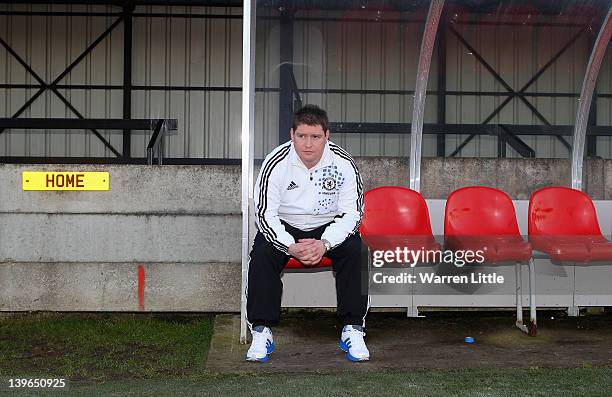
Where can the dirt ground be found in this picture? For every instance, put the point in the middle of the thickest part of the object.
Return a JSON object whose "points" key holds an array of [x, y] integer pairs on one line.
{"points": [[308, 342]]}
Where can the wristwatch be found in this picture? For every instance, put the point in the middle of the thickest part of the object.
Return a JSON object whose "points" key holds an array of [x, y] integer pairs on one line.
{"points": [[327, 244]]}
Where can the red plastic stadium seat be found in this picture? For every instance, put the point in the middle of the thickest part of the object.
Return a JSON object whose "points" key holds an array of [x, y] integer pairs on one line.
{"points": [[396, 216], [563, 224], [295, 264], [483, 218]]}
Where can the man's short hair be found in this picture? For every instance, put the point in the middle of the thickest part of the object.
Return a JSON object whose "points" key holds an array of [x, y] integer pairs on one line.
{"points": [[311, 115]]}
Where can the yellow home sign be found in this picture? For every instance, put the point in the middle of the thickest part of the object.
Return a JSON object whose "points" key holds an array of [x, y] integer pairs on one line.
{"points": [[61, 180]]}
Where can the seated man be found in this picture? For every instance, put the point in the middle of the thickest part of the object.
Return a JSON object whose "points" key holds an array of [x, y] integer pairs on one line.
{"points": [[308, 204]]}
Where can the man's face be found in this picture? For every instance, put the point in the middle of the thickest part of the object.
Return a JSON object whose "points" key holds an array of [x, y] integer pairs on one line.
{"points": [[309, 142]]}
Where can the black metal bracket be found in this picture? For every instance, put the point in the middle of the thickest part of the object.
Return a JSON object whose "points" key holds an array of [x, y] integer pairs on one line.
{"points": [[85, 124], [507, 136], [297, 99], [119, 160], [156, 143], [160, 128], [476, 129]]}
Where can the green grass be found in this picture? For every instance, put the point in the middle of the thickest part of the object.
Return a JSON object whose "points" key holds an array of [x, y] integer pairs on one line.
{"points": [[142, 354], [100, 347], [481, 382]]}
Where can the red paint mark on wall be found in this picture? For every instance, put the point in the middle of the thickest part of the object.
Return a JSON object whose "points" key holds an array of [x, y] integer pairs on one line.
{"points": [[141, 287]]}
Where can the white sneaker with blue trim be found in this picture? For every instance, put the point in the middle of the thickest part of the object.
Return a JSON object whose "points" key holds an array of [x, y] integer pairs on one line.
{"points": [[261, 345], [351, 342]]}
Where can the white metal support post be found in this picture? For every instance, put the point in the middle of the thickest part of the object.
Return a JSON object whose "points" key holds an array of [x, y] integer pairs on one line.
{"points": [[519, 299], [418, 110], [586, 95], [420, 91], [248, 148], [584, 106], [532, 328]]}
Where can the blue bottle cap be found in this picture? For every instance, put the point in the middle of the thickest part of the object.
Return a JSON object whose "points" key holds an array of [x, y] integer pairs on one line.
{"points": [[468, 339]]}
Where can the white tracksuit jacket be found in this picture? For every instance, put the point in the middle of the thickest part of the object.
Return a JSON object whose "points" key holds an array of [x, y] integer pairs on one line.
{"points": [[306, 199]]}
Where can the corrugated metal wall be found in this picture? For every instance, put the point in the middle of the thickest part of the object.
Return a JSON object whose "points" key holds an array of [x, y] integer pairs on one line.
{"points": [[266, 75], [383, 56], [49, 45], [203, 55], [516, 53], [361, 56], [333, 54], [191, 52]]}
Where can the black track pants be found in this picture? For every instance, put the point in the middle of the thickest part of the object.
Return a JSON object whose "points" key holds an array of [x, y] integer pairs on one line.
{"points": [[265, 287]]}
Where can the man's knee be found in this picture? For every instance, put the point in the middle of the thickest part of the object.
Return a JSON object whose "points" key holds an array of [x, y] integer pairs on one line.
{"points": [[265, 252], [352, 249], [351, 246]]}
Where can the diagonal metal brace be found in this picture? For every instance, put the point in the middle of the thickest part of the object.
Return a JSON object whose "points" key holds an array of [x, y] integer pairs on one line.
{"points": [[511, 92], [52, 86]]}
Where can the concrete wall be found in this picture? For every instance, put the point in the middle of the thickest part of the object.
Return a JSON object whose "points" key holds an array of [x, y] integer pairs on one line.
{"points": [[82, 250], [181, 224], [517, 177]]}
